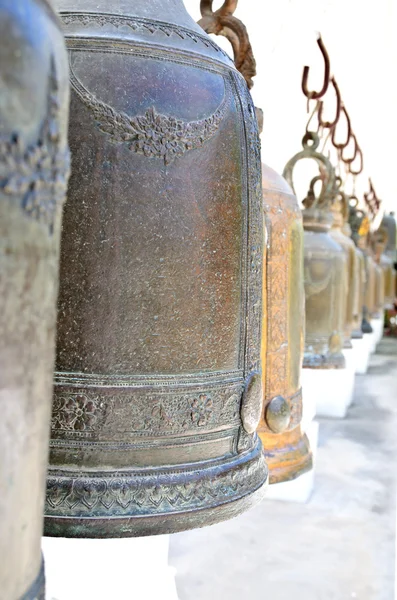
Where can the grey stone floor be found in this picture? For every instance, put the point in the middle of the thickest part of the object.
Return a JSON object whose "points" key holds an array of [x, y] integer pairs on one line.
{"points": [[341, 544]]}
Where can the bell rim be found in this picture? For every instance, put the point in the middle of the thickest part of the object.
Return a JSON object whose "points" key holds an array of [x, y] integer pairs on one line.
{"points": [[249, 466]]}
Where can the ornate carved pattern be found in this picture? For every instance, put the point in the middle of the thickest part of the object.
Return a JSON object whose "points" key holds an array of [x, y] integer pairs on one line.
{"points": [[123, 494], [152, 134], [278, 217], [140, 25], [255, 231], [37, 174], [81, 413]]}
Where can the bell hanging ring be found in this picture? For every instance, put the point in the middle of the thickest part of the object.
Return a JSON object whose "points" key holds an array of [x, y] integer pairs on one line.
{"points": [[324, 266]]}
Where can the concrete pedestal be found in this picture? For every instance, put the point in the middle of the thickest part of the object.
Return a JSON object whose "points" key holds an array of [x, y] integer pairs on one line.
{"points": [[330, 389], [362, 353], [350, 357], [377, 326], [78, 569], [301, 488]]}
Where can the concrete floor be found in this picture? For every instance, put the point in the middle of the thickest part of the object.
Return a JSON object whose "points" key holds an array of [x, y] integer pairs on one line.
{"points": [[341, 544]]}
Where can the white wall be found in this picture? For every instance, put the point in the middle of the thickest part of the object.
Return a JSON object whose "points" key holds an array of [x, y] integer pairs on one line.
{"points": [[360, 37]]}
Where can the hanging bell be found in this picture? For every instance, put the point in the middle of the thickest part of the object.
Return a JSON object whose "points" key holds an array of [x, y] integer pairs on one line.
{"points": [[286, 447], [34, 167], [340, 210], [360, 227], [389, 223], [325, 270], [359, 268], [380, 240], [158, 388]]}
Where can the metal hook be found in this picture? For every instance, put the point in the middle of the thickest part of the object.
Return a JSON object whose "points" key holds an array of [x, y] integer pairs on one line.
{"points": [[349, 131], [331, 124], [327, 69], [360, 170], [348, 161]]}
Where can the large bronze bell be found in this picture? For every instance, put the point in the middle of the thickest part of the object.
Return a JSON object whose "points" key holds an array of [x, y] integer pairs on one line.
{"points": [[340, 210], [325, 269], [286, 448], [158, 388], [34, 167]]}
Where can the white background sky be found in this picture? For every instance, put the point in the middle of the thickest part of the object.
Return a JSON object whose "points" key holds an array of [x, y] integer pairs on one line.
{"points": [[361, 41]]}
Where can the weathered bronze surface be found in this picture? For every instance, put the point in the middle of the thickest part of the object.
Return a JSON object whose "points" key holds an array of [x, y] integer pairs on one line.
{"points": [[340, 212], [359, 286], [158, 387], [379, 243], [34, 166], [286, 448], [359, 224], [389, 223], [325, 269]]}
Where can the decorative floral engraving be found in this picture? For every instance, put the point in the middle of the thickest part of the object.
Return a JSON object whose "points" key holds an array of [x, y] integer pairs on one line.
{"points": [[201, 409], [37, 174], [152, 134], [133, 411], [74, 413], [144, 494], [141, 26]]}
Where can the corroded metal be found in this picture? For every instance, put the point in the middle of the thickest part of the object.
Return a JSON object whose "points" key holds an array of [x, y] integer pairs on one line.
{"points": [[389, 223], [359, 286], [359, 224], [340, 212], [379, 243], [287, 453], [286, 448], [325, 270], [158, 386], [34, 167]]}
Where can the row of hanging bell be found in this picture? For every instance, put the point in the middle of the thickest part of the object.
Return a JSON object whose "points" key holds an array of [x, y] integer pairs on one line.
{"points": [[34, 167]]}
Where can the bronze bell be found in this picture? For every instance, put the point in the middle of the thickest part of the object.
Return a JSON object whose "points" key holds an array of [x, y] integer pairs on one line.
{"points": [[360, 227], [379, 241], [340, 210], [158, 388], [286, 448], [325, 270], [389, 223], [34, 167], [359, 268]]}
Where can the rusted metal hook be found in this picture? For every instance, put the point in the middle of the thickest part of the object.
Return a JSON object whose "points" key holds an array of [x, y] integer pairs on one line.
{"points": [[331, 124], [360, 170], [342, 145], [348, 161], [313, 95]]}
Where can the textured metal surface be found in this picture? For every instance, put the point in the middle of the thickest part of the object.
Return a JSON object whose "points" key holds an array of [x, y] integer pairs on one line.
{"points": [[34, 167], [157, 385], [286, 448], [340, 214], [325, 272]]}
